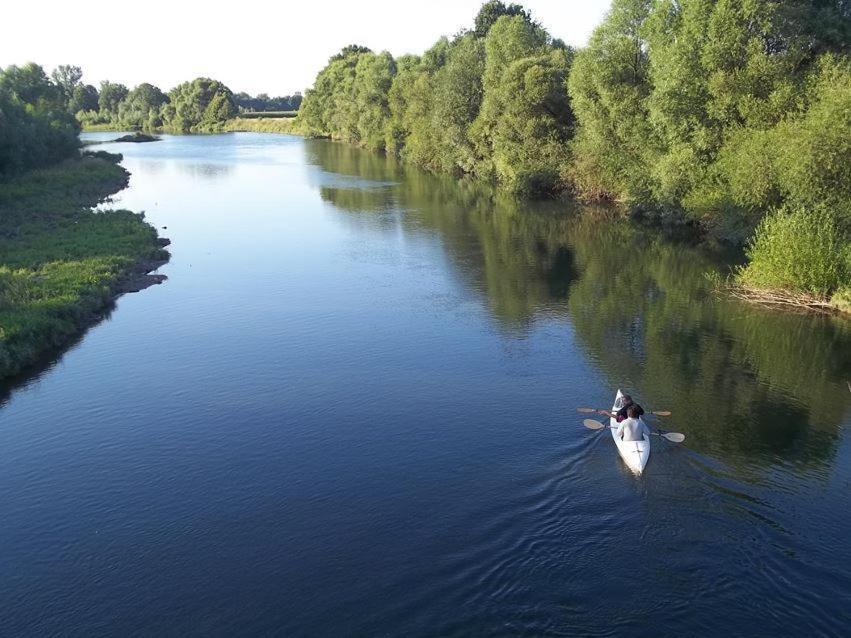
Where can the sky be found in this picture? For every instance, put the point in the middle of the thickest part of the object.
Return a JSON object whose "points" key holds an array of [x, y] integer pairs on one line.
{"points": [[255, 46]]}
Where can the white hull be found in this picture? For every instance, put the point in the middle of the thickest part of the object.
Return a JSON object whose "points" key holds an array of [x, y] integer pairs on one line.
{"points": [[634, 453]]}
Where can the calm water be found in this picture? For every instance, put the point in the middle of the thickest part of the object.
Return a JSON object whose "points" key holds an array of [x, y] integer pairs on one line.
{"points": [[351, 411]]}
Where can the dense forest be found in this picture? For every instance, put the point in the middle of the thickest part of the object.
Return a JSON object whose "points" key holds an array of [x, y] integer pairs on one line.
{"points": [[732, 116]]}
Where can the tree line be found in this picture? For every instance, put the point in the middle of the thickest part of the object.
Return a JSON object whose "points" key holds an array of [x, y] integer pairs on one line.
{"points": [[201, 105], [721, 113], [41, 114], [262, 102]]}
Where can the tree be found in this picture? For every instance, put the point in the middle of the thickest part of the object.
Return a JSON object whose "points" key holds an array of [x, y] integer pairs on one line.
{"points": [[36, 128], [373, 78], [141, 107], [530, 136], [30, 85], [111, 95], [509, 39], [492, 11], [458, 97], [84, 98], [67, 78], [329, 108], [202, 105], [608, 85]]}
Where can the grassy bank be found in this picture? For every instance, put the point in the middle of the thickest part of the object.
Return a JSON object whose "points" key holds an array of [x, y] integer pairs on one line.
{"points": [[264, 125], [95, 128], [61, 264], [254, 115], [237, 124]]}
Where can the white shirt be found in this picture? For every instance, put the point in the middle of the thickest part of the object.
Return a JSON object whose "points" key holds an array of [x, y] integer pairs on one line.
{"points": [[631, 430]]}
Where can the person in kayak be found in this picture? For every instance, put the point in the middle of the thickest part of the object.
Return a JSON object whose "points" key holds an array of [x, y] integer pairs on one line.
{"points": [[620, 415], [632, 428]]}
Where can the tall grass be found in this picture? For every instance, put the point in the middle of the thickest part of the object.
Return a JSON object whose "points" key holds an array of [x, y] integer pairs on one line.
{"points": [[254, 115], [264, 125]]}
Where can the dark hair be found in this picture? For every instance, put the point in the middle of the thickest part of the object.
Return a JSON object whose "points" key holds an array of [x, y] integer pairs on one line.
{"points": [[627, 399], [632, 411]]}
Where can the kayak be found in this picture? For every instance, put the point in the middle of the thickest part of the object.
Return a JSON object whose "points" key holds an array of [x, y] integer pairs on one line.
{"points": [[633, 453]]}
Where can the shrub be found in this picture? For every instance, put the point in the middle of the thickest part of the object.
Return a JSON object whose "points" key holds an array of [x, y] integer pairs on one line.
{"points": [[802, 250]]}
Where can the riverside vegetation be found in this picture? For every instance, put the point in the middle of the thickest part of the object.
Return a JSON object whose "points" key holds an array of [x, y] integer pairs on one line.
{"points": [[730, 117], [60, 262]]}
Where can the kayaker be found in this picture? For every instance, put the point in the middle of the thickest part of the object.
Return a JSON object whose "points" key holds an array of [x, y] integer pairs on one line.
{"points": [[632, 428], [620, 415]]}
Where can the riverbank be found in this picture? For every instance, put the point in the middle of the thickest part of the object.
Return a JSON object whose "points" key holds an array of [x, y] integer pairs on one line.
{"points": [[61, 263], [287, 125], [264, 125]]}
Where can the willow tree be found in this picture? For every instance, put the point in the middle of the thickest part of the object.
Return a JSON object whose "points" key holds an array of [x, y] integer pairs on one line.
{"points": [[608, 85], [530, 137], [522, 129], [373, 78]]}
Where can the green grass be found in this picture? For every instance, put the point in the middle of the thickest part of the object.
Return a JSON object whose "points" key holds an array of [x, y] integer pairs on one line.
{"points": [[264, 125], [254, 115], [59, 260], [109, 126]]}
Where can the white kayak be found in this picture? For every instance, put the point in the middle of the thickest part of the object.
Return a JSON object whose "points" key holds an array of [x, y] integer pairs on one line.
{"points": [[633, 453]]}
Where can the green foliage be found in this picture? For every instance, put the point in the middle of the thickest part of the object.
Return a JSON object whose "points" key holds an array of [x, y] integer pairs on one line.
{"points": [[36, 128], [522, 129], [141, 107], [608, 85], [492, 11], [263, 124], [373, 77], [798, 249], [530, 136], [200, 106], [701, 107], [263, 103], [84, 98], [111, 95], [58, 259], [67, 79], [495, 106]]}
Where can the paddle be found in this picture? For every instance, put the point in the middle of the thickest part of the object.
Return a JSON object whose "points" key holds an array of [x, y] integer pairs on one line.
{"points": [[673, 437], [593, 410]]}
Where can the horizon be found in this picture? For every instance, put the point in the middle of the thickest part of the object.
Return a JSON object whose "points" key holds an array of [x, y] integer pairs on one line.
{"points": [[255, 68]]}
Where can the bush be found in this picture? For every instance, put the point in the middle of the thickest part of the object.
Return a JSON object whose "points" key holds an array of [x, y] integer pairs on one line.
{"points": [[799, 250]]}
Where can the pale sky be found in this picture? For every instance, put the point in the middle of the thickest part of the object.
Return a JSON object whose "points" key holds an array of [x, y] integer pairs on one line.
{"points": [[254, 46]]}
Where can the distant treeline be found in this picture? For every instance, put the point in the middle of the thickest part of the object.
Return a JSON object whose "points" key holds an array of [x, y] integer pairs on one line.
{"points": [[41, 115], [263, 102], [716, 111], [199, 106]]}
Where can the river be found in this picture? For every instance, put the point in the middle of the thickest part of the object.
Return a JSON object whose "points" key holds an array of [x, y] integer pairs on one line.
{"points": [[351, 410]]}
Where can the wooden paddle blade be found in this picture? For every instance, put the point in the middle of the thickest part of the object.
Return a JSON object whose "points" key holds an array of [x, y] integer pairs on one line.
{"points": [[591, 424], [586, 410], [662, 413], [674, 437]]}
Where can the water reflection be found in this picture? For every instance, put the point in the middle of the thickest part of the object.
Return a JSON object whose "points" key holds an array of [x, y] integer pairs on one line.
{"points": [[749, 385], [207, 170]]}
